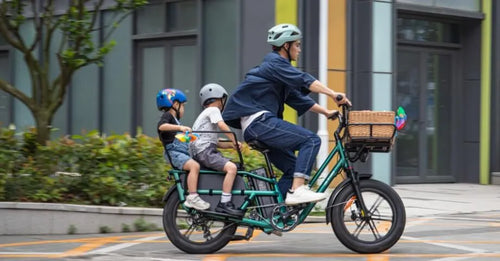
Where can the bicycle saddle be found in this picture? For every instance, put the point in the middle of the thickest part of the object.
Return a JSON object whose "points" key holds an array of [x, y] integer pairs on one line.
{"points": [[257, 145]]}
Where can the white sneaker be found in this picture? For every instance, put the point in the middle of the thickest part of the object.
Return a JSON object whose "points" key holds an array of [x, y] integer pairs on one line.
{"points": [[194, 201], [303, 194]]}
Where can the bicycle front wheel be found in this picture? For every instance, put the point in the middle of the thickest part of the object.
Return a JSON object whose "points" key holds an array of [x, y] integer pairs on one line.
{"points": [[377, 230]]}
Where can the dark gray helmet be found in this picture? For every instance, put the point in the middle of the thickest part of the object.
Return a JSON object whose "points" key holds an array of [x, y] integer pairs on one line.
{"points": [[212, 91]]}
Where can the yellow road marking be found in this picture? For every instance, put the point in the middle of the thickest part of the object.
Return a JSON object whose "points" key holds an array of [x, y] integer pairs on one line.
{"points": [[87, 247], [377, 258], [78, 240], [90, 244]]}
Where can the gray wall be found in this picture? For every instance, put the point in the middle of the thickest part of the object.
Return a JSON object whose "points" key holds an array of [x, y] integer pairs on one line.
{"points": [[470, 103], [257, 16]]}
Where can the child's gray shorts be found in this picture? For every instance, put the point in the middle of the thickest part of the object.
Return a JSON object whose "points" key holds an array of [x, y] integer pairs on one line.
{"points": [[211, 158]]}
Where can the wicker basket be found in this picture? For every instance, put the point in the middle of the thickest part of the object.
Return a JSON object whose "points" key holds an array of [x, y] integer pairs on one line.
{"points": [[371, 124]]}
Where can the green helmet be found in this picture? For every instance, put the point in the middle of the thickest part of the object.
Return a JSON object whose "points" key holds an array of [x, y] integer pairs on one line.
{"points": [[280, 34]]}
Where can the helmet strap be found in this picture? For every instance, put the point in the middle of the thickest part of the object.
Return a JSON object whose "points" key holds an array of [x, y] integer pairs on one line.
{"points": [[288, 51], [223, 102], [177, 113]]}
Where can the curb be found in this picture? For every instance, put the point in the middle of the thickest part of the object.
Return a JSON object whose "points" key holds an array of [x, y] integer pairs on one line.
{"points": [[28, 218], [19, 218]]}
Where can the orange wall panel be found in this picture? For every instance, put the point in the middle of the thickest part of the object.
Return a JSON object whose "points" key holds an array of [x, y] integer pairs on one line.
{"points": [[337, 34]]}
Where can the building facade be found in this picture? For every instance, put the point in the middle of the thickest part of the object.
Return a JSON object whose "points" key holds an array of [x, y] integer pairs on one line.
{"points": [[436, 58]]}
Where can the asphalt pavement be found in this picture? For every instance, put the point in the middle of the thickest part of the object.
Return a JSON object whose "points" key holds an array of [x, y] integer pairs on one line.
{"points": [[444, 222]]}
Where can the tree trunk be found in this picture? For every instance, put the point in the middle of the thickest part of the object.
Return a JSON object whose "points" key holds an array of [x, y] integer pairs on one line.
{"points": [[43, 125]]}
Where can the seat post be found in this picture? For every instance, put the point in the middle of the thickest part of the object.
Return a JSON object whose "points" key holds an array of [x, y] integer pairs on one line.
{"points": [[268, 163]]}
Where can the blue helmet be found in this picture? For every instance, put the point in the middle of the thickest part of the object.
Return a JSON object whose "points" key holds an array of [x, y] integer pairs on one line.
{"points": [[166, 98]]}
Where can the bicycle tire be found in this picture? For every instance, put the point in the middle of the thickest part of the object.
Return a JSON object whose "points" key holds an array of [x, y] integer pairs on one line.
{"points": [[175, 221], [381, 200]]}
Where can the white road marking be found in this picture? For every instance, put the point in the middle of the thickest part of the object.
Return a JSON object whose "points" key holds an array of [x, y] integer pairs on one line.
{"points": [[110, 249]]}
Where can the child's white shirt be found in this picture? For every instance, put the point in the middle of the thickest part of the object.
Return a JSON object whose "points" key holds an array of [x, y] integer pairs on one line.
{"points": [[206, 121]]}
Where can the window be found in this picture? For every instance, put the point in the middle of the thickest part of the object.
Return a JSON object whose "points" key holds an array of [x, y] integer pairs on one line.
{"points": [[464, 5], [427, 31], [171, 16]]}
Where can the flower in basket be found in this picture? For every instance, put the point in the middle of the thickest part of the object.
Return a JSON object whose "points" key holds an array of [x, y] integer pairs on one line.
{"points": [[400, 118]]}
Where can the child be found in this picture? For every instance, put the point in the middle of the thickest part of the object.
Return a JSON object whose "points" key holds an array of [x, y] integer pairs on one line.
{"points": [[204, 149], [171, 102]]}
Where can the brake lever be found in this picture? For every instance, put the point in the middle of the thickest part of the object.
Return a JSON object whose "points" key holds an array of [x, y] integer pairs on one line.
{"points": [[335, 115]]}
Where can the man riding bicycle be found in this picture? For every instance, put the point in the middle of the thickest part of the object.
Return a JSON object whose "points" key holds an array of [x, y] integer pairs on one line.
{"points": [[257, 107]]}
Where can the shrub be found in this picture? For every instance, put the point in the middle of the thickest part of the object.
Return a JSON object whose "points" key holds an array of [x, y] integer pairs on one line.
{"points": [[72, 229], [90, 169]]}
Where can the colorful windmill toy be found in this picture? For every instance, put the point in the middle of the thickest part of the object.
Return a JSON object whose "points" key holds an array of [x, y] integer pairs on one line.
{"points": [[186, 137], [400, 118]]}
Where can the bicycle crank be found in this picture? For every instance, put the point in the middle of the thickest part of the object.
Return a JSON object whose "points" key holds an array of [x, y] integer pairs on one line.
{"points": [[284, 218]]}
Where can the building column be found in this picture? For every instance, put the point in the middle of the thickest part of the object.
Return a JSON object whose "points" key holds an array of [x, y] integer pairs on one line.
{"points": [[485, 104], [382, 76]]}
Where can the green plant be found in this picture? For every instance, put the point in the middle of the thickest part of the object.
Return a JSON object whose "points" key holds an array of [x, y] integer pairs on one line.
{"points": [[142, 226], [72, 229], [105, 230], [126, 228], [90, 169]]}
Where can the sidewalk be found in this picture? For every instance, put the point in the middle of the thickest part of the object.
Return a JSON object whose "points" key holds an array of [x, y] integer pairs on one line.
{"points": [[443, 199]]}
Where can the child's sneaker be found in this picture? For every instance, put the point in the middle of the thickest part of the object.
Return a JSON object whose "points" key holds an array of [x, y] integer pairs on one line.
{"points": [[194, 201], [303, 195]]}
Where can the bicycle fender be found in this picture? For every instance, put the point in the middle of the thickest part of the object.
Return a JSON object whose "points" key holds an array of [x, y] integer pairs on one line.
{"points": [[337, 190], [168, 193]]}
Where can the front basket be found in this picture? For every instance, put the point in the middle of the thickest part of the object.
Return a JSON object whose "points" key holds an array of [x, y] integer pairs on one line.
{"points": [[370, 130]]}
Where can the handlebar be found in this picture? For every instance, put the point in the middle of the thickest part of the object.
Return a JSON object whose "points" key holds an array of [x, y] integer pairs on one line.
{"points": [[342, 117]]}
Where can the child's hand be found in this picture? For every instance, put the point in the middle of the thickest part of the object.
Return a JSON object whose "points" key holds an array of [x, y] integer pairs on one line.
{"points": [[184, 128]]}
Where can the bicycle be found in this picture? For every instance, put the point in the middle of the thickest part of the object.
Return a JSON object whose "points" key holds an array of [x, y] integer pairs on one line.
{"points": [[366, 215]]}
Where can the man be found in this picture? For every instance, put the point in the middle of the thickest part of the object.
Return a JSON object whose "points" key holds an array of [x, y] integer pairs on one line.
{"points": [[257, 108]]}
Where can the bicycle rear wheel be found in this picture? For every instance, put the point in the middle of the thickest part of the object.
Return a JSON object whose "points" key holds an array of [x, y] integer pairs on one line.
{"points": [[380, 229], [193, 232]]}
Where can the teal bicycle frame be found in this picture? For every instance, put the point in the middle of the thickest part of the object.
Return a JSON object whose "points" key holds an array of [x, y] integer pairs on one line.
{"points": [[251, 195]]}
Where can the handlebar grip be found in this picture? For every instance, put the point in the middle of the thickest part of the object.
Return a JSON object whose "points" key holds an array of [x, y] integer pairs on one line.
{"points": [[339, 97]]}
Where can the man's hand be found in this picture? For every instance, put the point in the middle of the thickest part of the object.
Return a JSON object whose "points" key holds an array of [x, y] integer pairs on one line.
{"points": [[344, 99]]}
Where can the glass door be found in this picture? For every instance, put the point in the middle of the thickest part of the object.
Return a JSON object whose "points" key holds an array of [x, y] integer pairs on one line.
{"points": [[166, 64], [425, 90]]}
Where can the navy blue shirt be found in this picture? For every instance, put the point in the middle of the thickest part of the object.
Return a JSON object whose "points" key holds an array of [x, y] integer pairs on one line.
{"points": [[268, 87]]}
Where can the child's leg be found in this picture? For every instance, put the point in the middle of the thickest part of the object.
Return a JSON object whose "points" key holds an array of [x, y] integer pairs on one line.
{"points": [[193, 200], [230, 169], [193, 169], [225, 205]]}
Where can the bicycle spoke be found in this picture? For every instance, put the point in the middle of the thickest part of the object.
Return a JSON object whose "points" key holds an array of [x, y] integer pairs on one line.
{"points": [[376, 204], [189, 231], [382, 218], [359, 229], [374, 229]]}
